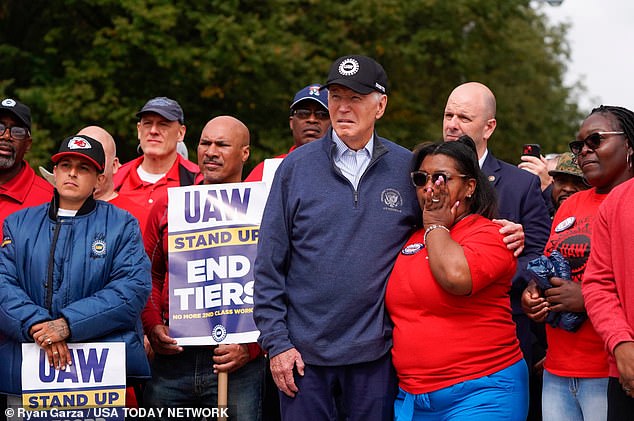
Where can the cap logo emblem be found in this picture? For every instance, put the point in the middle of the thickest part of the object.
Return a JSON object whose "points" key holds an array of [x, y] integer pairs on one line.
{"points": [[313, 90], [349, 67], [78, 143], [8, 103]]}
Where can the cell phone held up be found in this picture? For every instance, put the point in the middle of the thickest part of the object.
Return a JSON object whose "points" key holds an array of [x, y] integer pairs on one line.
{"points": [[532, 149]]}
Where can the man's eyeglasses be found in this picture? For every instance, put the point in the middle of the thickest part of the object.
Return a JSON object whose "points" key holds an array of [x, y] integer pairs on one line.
{"points": [[304, 114], [16, 132], [420, 178], [593, 141]]}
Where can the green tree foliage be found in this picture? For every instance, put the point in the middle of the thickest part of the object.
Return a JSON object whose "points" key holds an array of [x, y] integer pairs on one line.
{"points": [[79, 62]]}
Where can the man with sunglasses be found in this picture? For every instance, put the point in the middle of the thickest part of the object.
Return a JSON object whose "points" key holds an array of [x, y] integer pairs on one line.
{"points": [[20, 187], [308, 120]]}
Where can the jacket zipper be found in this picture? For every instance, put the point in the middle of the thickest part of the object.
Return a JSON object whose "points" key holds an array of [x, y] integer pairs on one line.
{"points": [[51, 267], [356, 191]]}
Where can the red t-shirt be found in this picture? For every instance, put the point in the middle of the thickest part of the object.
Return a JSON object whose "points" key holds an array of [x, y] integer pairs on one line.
{"points": [[24, 190], [441, 339], [580, 353]]}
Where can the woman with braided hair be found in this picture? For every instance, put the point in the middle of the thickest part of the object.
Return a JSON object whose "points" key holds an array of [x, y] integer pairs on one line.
{"points": [[576, 365]]}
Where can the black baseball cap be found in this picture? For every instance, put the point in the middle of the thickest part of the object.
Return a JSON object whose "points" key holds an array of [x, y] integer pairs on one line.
{"points": [[82, 146], [359, 73], [19, 110], [165, 107]]}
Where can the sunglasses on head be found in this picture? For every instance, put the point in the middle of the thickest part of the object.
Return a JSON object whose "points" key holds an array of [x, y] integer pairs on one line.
{"points": [[593, 141], [420, 178]]}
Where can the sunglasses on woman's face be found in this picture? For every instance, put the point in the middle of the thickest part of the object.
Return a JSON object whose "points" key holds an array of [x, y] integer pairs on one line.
{"points": [[420, 178], [593, 141]]}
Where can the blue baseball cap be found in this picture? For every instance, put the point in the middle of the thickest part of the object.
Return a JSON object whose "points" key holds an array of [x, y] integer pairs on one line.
{"points": [[165, 107], [312, 92]]}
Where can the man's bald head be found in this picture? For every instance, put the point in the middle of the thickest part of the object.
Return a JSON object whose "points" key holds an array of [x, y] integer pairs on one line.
{"points": [[470, 110], [223, 149], [104, 190]]}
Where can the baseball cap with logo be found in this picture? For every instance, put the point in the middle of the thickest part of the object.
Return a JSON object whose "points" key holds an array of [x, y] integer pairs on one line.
{"points": [[82, 146], [566, 165], [312, 92], [163, 106], [359, 73], [19, 110]]}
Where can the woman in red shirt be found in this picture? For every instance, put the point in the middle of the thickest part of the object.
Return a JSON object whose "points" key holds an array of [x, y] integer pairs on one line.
{"points": [[455, 348]]}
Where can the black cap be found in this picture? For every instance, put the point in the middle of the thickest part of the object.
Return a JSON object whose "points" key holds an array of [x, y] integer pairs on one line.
{"points": [[82, 146], [166, 107], [359, 73], [19, 110]]}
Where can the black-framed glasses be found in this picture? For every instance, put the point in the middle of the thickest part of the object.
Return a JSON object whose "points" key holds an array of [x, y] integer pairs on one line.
{"points": [[593, 141], [420, 178], [304, 114], [16, 132]]}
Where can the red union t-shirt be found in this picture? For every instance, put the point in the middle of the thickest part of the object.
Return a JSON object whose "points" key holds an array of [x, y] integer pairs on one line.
{"points": [[580, 353]]}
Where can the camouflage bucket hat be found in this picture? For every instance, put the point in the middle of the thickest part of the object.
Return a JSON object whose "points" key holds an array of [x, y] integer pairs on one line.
{"points": [[566, 164]]}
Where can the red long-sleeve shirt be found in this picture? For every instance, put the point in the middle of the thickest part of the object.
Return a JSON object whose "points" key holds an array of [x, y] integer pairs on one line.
{"points": [[607, 283]]}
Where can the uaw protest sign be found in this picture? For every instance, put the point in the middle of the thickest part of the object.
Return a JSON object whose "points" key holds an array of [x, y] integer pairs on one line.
{"points": [[95, 379], [212, 243]]}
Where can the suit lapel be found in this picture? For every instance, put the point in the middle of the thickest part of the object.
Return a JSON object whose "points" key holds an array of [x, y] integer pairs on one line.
{"points": [[492, 169]]}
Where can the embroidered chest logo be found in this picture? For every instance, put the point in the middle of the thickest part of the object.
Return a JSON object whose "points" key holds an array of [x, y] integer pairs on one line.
{"points": [[392, 199], [98, 247]]}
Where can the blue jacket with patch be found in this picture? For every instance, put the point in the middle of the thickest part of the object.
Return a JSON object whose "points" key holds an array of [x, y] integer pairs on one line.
{"points": [[90, 269], [325, 252]]}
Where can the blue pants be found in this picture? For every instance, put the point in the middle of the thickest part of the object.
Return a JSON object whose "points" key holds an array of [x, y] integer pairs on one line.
{"points": [[360, 392], [574, 398], [500, 396], [188, 380]]}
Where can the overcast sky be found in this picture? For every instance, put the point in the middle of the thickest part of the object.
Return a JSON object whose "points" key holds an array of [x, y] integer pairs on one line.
{"points": [[602, 41]]}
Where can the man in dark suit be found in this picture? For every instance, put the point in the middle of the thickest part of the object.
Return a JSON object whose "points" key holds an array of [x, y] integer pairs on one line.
{"points": [[470, 110]]}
